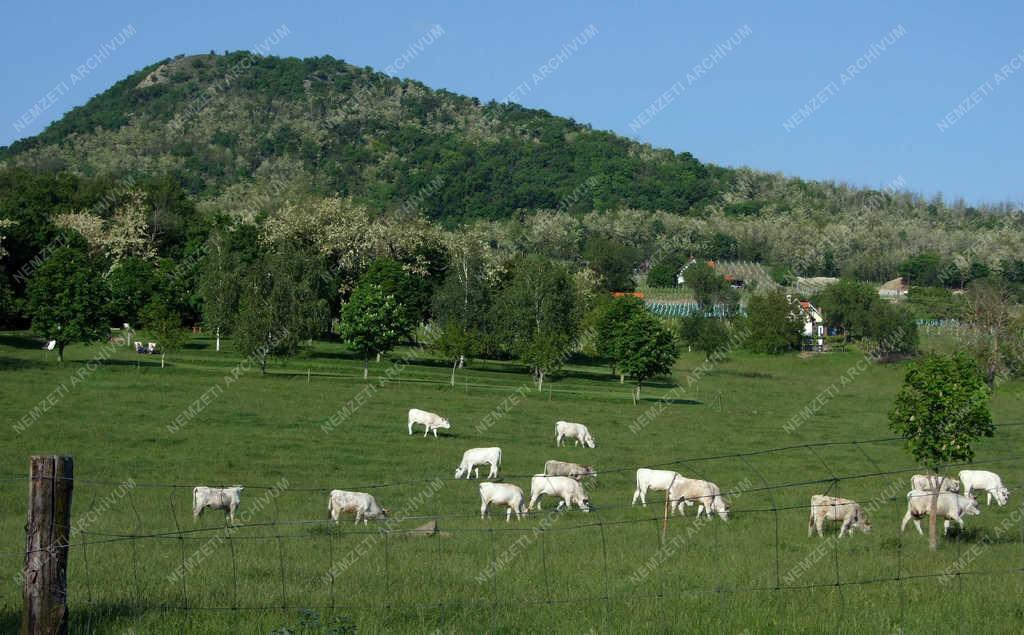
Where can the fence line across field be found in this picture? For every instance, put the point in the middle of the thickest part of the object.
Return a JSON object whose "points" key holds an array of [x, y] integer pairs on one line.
{"points": [[284, 530]]}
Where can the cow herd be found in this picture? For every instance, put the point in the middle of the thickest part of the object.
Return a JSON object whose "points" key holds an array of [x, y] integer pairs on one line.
{"points": [[564, 481]]}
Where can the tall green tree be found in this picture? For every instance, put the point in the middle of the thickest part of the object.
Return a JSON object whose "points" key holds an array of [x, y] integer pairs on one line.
{"points": [[133, 283], [611, 326], [774, 323], [703, 333], [615, 262], [164, 324], [413, 292], [68, 298], [281, 302], [461, 309], [708, 286], [648, 349], [536, 315], [371, 322], [940, 411]]}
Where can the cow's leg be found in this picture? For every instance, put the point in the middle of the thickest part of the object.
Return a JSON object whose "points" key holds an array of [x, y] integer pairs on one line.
{"points": [[508, 514], [906, 519], [410, 428], [845, 528], [988, 497], [426, 431], [945, 527], [435, 433], [917, 523], [483, 510], [819, 523]]}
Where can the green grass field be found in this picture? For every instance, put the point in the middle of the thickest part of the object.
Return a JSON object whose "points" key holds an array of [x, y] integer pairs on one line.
{"points": [[606, 571]]}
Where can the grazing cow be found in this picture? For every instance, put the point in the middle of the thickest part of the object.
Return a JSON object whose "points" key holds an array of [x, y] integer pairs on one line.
{"points": [[705, 494], [930, 482], [502, 494], [836, 509], [429, 421], [226, 498], [658, 480], [949, 505], [577, 431], [987, 481], [572, 470], [568, 489], [476, 457], [364, 506]]}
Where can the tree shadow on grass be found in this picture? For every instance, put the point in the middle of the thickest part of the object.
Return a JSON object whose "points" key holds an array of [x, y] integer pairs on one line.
{"points": [[672, 401], [15, 363], [101, 617], [21, 341]]}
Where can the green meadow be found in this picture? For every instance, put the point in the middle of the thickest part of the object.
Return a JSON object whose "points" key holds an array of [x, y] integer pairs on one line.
{"points": [[771, 431]]}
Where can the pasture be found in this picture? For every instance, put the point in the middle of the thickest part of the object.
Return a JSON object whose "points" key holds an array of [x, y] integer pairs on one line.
{"points": [[607, 571]]}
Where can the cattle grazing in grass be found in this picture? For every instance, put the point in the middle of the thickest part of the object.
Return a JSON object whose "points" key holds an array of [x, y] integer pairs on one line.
{"points": [[978, 480], [475, 457], [658, 480], [577, 431], [705, 494], [502, 494], [430, 421], [364, 506], [572, 470], [568, 489], [835, 509], [931, 482], [950, 506], [226, 498]]}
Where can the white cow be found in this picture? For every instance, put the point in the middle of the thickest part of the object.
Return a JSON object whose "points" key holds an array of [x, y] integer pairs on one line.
{"points": [[577, 431], [429, 421], [987, 481], [364, 506], [502, 494], [950, 506], [705, 494], [928, 482], [568, 489], [658, 480], [479, 456], [226, 498], [836, 509], [572, 470]]}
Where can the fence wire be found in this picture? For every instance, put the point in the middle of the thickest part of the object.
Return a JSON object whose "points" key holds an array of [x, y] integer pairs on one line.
{"points": [[626, 571]]}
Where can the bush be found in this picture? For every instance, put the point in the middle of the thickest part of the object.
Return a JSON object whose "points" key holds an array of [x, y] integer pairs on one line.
{"points": [[774, 323]]}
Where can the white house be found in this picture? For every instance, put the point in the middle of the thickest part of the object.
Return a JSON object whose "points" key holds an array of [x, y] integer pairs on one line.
{"points": [[814, 326]]}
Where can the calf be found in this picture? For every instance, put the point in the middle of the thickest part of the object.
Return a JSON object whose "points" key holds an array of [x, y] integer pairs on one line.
{"points": [[364, 506], [572, 470], [836, 509], [658, 480], [987, 481], [226, 498], [952, 507], [502, 494], [705, 494], [568, 489], [479, 456], [429, 421], [577, 431], [929, 482]]}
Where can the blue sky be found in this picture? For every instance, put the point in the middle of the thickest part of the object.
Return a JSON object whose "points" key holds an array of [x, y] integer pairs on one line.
{"points": [[891, 118]]}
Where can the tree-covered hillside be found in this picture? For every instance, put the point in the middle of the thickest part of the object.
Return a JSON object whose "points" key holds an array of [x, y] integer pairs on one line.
{"points": [[232, 127]]}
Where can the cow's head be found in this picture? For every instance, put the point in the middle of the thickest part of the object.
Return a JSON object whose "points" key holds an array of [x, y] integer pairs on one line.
{"points": [[722, 507], [863, 523], [1002, 495], [459, 472], [971, 508], [585, 504], [444, 424], [588, 441], [385, 512]]}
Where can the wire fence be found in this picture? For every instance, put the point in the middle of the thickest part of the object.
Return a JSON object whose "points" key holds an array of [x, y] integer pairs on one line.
{"points": [[136, 551]]}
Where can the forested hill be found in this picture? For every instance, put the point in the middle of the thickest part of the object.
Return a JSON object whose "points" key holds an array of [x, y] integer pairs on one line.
{"points": [[236, 130]]}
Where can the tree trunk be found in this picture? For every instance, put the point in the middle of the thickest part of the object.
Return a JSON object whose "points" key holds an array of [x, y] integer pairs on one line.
{"points": [[378, 357], [540, 381], [218, 339], [636, 394], [162, 356], [366, 367], [454, 366], [60, 352], [622, 378]]}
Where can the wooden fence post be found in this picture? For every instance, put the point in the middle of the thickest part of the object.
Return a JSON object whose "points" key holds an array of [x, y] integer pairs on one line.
{"points": [[47, 533]]}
